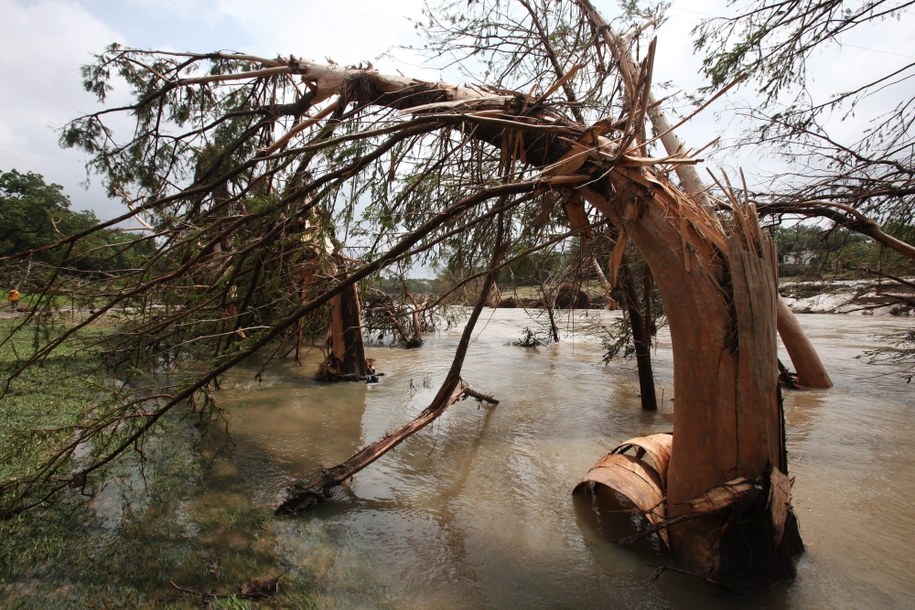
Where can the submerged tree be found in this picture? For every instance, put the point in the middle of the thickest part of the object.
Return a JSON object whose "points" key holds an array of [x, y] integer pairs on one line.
{"points": [[634, 333], [406, 170]]}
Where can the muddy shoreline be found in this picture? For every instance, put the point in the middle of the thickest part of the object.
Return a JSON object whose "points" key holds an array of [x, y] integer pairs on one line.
{"points": [[860, 297]]}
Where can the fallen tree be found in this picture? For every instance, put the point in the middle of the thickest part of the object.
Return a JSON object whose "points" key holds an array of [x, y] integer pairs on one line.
{"points": [[441, 165]]}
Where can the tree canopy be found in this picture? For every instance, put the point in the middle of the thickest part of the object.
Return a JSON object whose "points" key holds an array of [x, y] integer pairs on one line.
{"points": [[35, 217], [34, 214]]}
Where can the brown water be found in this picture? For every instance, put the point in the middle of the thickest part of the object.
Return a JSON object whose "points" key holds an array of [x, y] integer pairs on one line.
{"points": [[476, 510]]}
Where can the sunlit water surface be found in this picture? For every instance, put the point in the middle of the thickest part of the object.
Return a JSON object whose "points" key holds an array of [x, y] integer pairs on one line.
{"points": [[476, 510]]}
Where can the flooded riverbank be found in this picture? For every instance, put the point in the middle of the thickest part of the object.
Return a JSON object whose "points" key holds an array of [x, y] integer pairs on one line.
{"points": [[476, 511]]}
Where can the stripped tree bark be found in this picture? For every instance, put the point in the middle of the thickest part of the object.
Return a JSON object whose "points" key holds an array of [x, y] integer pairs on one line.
{"points": [[608, 288], [345, 359], [810, 370]]}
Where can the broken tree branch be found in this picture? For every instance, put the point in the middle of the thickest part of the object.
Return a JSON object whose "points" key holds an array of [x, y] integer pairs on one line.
{"points": [[304, 494]]}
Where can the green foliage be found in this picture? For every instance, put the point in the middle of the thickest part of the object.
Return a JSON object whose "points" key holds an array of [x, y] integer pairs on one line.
{"points": [[772, 41], [35, 215], [811, 250], [617, 340], [533, 268]]}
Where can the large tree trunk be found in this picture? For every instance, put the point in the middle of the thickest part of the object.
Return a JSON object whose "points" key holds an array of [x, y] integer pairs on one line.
{"points": [[810, 370], [721, 308]]}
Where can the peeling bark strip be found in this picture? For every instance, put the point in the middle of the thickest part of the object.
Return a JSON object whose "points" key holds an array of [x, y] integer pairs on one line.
{"points": [[641, 482], [752, 516], [759, 429]]}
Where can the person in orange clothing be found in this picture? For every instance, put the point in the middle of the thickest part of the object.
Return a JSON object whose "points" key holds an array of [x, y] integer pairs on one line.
{"points": [[14, 300]]}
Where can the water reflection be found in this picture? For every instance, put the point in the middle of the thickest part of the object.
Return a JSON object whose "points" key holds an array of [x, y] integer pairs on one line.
{"points": [[475, 511]]}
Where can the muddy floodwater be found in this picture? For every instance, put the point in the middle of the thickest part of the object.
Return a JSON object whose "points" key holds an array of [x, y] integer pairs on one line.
{"points": [[476, 510]]}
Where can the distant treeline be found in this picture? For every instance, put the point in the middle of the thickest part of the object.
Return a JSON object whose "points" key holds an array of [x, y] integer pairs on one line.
{"points": [[809, 250], [34, 215]]}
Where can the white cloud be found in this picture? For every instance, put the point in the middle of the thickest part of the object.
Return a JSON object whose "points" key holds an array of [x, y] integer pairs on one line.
{"points": [[349, 31], [44, 44], [868, 51]]}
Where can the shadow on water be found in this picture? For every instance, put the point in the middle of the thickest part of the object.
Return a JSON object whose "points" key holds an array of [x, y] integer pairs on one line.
{"points": [[604, 518]]}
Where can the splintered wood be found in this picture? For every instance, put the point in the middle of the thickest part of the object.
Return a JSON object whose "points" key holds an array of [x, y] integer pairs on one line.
{"points": [[637, 470], [639, 481]]}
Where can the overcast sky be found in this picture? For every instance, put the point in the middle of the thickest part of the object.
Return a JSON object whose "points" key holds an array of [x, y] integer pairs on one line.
{"points": [[44, 43]]}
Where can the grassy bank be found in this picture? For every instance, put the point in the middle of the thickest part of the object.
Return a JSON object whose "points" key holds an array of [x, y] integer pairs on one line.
{"points": [[151, 520], [42, 403]]}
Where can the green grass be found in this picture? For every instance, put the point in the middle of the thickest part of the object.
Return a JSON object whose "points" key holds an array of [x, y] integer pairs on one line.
{"points": [[179, 518], [42, 403]]}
